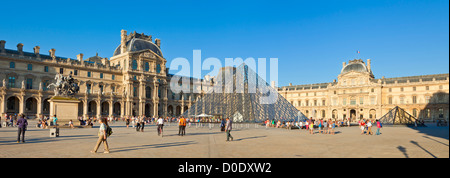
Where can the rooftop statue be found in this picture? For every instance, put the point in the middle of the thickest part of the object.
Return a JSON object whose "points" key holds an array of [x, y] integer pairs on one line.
{"points": [[64, 86]]}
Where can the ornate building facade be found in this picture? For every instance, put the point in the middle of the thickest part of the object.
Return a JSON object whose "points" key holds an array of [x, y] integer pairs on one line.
{"points": [[357, 94], [134, 81]]}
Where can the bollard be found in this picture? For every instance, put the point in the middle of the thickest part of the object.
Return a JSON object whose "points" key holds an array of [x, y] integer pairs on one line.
{"points": [[54, 132]]}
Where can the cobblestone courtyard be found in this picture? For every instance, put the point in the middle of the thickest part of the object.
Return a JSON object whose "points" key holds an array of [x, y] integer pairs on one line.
{"points": [[249, 142]]}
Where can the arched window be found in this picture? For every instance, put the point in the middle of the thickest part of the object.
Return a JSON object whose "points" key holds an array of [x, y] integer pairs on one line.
{"points": [[147, 67], [134, 65]]}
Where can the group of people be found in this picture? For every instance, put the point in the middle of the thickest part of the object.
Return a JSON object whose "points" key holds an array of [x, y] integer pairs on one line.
{"points": [[366, 126]]}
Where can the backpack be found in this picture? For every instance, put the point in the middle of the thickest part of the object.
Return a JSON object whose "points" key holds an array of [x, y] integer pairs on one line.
{"points": [[108, 131]]}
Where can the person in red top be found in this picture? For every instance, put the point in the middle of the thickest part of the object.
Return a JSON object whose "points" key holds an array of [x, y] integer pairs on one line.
{"points": [[182, 126], [362, 124]]}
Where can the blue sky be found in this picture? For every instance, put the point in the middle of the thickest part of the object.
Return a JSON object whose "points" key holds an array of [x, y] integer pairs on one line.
{"points": [[311, 39]]}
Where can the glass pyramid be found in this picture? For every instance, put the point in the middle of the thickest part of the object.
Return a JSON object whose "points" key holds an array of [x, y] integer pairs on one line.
{"points": [[398, 116], [240, 94]]}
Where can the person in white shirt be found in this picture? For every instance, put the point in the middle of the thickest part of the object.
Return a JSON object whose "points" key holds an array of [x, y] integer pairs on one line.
{"points": [[160, 123]]}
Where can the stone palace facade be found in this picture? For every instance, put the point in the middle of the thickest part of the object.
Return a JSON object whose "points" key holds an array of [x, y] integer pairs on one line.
{"points": [[357, 94], [134, 81]]}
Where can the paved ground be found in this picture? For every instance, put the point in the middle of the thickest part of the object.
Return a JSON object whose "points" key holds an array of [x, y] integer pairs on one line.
{"points": [[251, 142]]}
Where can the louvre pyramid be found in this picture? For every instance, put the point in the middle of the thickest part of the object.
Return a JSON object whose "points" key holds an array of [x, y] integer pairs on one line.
{"points": [[250, 99], [398, 116]]}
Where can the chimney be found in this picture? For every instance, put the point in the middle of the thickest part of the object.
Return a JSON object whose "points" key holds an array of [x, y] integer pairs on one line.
{"points": [[36, 50], [2, 46], [52, 53], [368, 65], [20, 48], [80, 57], [158, 42], [123, 41]]}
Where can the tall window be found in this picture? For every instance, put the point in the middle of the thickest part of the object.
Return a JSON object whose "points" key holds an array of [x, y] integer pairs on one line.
{"points": [[12, 65], [147, 67], [344, 101], [390, 100], [101, 89], [372, 100], [135, 91], [441, 113], [89, 74], [158, 68], [414, 99], [29, 83], [352, 101], [113, 77], [30, 67], [88, 88], [61, 70], [45, 83], [11, 82], [361, 100], [75, 72], [101, 75], [134, 65], [415, 113], [45, 68]]}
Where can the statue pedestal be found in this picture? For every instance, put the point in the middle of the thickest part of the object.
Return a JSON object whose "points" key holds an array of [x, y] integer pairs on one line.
{"points": [[65, 109]]}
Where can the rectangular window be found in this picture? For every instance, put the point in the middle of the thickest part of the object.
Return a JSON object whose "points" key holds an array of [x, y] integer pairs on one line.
{"points": [[402, 100], [101, 89], [89, 74], [11, 82], [353, 101], [88, 88], [344, 101], [441, 113], [372, 100], [414, 99], [61, 70], [30, 67], [135, 91], [101, 75], [361, 100], [29, 83], [75, 72], [113, 77], [45, 68], [390, 100], [12, 65]]}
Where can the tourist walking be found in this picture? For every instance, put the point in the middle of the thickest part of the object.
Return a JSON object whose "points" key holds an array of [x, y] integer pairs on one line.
{"points": [[182, 126], [22, 126], [102, 136], [160, 123], [311, 127], [369, 127], [378, 127], [228, 128], [142, 123], [55, 119]]}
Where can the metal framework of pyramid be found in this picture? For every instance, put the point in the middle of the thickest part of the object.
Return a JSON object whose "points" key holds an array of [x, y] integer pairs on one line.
{"points": [[245, 103], [398, 116]]}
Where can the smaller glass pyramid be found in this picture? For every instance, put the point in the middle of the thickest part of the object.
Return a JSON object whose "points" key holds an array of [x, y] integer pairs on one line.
{"points": [[398, 116]]}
